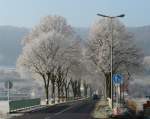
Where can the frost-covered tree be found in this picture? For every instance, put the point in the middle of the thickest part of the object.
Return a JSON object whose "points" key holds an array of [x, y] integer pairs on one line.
{"points": [[126, 56], [48, 24], [50, 45]]}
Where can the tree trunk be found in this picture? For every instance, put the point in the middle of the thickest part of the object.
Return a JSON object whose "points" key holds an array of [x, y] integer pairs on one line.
{"points": [[53, 91], [78, 88], [62, 92], [47, 94], [66, 92], [91, 91], [108, 84], [74, 88], [85, 89], [66, 87], [46, 86], [58, 93]]}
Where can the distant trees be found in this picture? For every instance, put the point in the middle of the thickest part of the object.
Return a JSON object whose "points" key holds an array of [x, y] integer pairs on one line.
{"points": [[126, 56]]}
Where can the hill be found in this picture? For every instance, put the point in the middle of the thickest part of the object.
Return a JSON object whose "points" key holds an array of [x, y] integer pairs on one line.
{"points": [[10, 41], [10, 44]]}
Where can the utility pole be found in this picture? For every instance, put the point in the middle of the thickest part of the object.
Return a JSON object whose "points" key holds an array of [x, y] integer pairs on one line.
{"points": [[111, 50]]}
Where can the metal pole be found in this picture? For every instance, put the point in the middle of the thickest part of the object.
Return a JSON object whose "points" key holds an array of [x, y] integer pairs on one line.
{"points": [[117, 98], [111, 21], [105, 92], [123, 91], [120, 95], [111, 18], [8, 92]]}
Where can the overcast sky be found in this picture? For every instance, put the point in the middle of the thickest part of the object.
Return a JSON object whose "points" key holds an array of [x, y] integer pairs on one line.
{"points": [[80, 13]]}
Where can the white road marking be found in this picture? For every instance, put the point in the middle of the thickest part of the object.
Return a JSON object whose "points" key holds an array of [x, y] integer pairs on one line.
{"points": [[47, 118], [58, 113], [64, 110]]}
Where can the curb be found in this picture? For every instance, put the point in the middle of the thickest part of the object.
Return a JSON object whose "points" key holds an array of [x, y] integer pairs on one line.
{"points": [[39, 107]]}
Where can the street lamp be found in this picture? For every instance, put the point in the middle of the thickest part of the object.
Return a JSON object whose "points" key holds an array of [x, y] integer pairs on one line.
{"points": [[102, 15], [111, 20]]}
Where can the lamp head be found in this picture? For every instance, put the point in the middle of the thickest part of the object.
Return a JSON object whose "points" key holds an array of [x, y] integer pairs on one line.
{"points": [[122, 15]]}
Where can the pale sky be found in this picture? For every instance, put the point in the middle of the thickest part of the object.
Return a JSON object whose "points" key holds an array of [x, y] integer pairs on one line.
{"points": [[79, 13]]}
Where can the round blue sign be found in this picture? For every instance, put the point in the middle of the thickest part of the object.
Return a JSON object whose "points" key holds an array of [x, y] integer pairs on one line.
{"points": [[117, 78]]}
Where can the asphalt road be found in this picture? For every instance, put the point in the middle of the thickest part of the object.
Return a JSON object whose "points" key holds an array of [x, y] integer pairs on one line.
{"points": [[76, 110]]}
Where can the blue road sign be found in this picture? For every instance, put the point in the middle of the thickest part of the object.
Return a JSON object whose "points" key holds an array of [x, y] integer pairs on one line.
{"points": [[117, 78]]}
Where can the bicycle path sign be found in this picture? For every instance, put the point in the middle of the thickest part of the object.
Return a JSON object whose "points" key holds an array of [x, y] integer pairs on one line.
{"points": [[117, 78]]}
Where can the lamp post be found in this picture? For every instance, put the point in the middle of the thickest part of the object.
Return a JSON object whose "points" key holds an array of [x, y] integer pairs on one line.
{"points": [[111, 50]]}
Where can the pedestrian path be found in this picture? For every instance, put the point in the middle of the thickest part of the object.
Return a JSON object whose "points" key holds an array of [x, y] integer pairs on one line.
{"points": [[102, 110]]}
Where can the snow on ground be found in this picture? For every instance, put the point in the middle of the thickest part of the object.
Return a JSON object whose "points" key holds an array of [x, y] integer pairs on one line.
{"points": [[140, 102], [4, 109]]}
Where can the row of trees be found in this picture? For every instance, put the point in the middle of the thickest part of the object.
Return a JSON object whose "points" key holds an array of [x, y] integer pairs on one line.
{"points": [[54, 53]]}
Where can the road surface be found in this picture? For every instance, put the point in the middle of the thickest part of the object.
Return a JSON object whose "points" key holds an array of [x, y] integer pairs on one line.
{"points": [[76, 110]]}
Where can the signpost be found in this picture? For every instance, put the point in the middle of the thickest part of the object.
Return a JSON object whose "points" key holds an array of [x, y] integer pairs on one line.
{"points": [[8, 86], [117, 80]]}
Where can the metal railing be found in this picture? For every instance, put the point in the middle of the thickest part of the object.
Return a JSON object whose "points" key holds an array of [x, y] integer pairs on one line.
{"points": [[22, 104]]}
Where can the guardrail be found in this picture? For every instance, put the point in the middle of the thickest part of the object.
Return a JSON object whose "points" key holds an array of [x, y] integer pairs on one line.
{"points": [[22, 104]]}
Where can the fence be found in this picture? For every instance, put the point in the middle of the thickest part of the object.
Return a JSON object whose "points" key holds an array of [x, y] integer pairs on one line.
{"points": [[22, 104]]}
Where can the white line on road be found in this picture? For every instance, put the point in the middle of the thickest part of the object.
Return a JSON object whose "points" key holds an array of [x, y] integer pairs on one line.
{"points": [[64, 110], [47, 117], [58, 113]]}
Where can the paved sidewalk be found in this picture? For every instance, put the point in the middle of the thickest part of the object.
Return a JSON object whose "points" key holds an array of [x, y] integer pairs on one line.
{"points": [[102, 110]]}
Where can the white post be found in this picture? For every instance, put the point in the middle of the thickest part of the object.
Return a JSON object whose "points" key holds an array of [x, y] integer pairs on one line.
{"points": [[8, 92], [111, 53], [117, 95], [8, 95]]}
